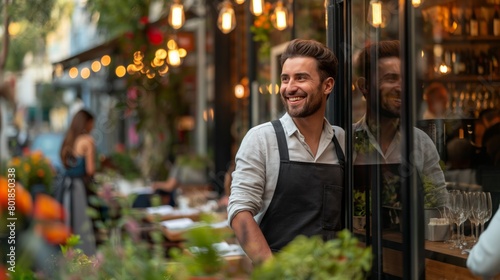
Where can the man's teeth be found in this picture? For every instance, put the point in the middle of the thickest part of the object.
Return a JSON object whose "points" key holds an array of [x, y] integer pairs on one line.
{"points": [[295, 98]]}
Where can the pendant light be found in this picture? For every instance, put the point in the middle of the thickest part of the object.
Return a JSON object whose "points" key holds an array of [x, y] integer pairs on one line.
{"points": [[257, 7], [227, 19], [176, 16], [279, 18]]}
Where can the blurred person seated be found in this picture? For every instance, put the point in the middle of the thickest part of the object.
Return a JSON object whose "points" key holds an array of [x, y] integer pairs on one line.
{"points": [[436, 98], [190, 171], [484, 258], [490, 141], [459, 161]]}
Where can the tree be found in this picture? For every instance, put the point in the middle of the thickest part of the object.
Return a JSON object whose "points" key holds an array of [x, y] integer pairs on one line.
{"points": [[24, 26], [156, 102]]}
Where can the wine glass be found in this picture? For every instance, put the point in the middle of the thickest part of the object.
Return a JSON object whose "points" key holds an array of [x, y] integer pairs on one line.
{"points": [[475, 217], [457, 211], [449, 217], [486, 208], [464, 215]]}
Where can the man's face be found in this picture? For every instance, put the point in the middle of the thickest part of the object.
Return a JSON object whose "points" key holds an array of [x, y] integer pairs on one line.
{"points": [[389, 83], [302, 91]]}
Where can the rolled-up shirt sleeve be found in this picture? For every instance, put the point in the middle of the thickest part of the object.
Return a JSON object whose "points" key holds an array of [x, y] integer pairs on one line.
{"points": [[249, 176], [484, 258], [429, 167]]}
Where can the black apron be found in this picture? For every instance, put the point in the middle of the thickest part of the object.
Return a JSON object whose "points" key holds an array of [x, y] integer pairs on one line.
{"points": [[308, 199]]}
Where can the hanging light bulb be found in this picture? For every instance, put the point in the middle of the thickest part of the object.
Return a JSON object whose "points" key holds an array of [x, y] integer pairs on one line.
{"points": [[176, 16], [416, 3], [375, 16], [227, 20], [239, 2], [257, 7], [174, 59], [279, 18], [239, 91]]}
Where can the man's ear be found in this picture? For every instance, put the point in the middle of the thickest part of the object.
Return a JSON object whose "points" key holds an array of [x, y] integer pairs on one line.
{"points": [[362, 85], [329, 83]]}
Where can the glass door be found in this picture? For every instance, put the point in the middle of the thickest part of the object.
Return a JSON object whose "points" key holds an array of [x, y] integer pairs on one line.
{"points": [[420, 86]]}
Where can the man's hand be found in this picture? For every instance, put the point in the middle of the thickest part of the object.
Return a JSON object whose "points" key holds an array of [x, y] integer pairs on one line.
{"points": [[250, 237]]}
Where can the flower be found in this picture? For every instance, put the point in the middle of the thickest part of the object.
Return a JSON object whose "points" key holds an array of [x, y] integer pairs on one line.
{"points": [[32, 169], [261, 30]]}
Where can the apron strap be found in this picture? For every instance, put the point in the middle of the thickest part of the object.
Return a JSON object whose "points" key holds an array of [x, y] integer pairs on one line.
{"points": [[283, 147], [338, 150], [280, 136]]}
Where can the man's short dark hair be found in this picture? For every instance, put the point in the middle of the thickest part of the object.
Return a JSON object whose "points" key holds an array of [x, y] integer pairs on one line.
{"points": [[382, 49], [488, 115], [326, 61]]}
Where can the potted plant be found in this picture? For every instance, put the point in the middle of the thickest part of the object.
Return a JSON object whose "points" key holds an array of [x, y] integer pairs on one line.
{"points": [[34, 171], [312, 258], [359, 207], [200, 259]]}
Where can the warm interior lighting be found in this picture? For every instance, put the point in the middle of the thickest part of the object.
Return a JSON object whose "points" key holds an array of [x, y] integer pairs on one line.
{"points": [[416, 3], [279, 17], [120, 71], [443, 68], [176, 16], [171, 44], [239, 2], [376, 14], [105, 60], [85, 73], [239, 91], [161, 54], [182, 52], [174, 58], [96, 66], [257, 7], [73, 72], [59, 70], [163, 70], [226, 20]]}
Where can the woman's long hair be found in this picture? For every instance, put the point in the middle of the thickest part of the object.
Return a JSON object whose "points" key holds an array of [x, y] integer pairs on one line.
{"points": [[78, 127]]}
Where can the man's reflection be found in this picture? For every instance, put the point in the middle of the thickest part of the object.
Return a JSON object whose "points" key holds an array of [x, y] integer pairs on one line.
{"points": [[382, 118]]}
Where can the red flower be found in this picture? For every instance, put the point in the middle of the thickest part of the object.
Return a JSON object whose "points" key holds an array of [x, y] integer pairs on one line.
{"points": [[144, 20], [54, 232], [47, 208], [155, 36]]}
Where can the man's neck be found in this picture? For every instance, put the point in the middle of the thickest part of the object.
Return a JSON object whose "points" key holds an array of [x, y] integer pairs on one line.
{"points": [[311, 128], [386, 129]]}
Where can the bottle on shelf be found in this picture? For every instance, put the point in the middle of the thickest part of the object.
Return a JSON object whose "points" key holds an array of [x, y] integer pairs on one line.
{"points": [[483, 24], [465, 24], [496, 22], [493, 62], [473, 24]]}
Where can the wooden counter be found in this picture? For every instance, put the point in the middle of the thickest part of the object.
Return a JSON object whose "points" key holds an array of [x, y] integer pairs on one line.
{"points": [[441, 262]]}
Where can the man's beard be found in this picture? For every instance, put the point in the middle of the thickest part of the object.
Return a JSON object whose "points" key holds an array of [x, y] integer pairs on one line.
{"points": [[308, 109], [389, 114]]}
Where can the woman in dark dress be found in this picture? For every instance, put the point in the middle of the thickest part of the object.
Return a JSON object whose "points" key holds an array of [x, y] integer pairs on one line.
{"points": [[77, 155]]}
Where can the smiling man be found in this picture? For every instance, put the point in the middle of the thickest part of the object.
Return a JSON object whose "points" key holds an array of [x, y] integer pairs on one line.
{"points": [[288, 179], [382, 118]]}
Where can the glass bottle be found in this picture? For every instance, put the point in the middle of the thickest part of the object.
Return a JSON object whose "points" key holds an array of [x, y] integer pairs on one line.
{"points": [[496, 23], [474, 24]]}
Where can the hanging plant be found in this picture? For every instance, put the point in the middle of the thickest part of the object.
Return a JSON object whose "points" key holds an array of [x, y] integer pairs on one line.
{"points": [[261, 30]]}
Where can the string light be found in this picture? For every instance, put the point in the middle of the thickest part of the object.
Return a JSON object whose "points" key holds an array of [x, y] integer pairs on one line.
{"points": [[376, 13], [176, 16], [416, 3], [226, 20], [257, 7], [279, 18], [239, 91]]}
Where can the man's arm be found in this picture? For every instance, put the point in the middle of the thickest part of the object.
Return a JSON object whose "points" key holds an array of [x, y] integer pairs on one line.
{"points": [[250, 237]]}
